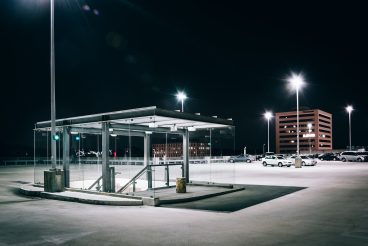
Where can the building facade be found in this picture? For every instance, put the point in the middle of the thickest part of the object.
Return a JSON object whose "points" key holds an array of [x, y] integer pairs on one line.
{"points": [[316, 137], [176, 149]]}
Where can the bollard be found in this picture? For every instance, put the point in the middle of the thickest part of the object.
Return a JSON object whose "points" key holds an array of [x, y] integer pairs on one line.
{"points": [[181, 186], [298, 162]]}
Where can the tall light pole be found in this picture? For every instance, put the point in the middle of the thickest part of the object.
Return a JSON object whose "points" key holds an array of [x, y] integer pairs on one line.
{"points": [[309, 125], [296, 81], [181, 97], [268, 116], [349, 109], [52, 73]]}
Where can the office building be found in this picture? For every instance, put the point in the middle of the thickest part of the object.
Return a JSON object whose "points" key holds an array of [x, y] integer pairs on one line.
{"points": [[315, 131]]}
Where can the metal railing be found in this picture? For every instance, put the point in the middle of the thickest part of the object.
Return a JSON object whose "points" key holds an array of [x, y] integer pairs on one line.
{"points": [[97, 182], [147, 169], [114, 160], [133, 180]]}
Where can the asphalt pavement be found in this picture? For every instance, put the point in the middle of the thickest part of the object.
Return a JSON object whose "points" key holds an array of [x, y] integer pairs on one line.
{"points": [[329, 209]]}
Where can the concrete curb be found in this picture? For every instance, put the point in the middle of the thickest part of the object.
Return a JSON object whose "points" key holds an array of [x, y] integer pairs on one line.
{"points": [[56, 196], [134, 200], [31, 191]]}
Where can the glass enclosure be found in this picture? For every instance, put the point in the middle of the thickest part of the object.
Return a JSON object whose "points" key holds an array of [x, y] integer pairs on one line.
{"points": [[209, 152]]}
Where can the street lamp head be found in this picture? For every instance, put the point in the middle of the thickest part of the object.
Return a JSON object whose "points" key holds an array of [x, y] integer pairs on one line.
{"points": [[181, 96], [309, 125], [349, 109], [268, 115], [296, 81]]}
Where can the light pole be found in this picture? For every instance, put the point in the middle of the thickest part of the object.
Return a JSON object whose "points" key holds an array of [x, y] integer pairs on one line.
{"points": [[309, 125], [52, 73], [296, 81], [181, 97], [349, 109], [268, 116]]}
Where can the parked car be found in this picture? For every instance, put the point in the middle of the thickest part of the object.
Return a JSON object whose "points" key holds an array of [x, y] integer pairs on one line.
{"points": [[328, 157], [260, 157], [365, 154], [240, 158], [276, 161], [352, 156], [306, 160]]}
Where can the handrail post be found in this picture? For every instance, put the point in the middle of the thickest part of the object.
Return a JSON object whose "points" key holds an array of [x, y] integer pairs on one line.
{"points": [[182, 170], [167, 173]]}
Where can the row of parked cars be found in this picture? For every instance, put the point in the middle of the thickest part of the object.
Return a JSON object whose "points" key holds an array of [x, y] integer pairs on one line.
{"points": [[344, 156], [307, 160], [274, 160]]}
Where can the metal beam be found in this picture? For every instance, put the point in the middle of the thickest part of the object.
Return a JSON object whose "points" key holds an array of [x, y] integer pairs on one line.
{"points": [[66, 156], [127, 133], [144, 128], [86, 130], [98, 131]]}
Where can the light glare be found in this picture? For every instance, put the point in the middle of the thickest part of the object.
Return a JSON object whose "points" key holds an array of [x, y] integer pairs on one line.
{"points": [[349, 109], [268, 115], [181, 96], [296, 81]]}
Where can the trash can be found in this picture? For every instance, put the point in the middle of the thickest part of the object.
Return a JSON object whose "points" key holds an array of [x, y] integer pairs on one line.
{"points": [[54, 180], [298, 162], [181, 186]]}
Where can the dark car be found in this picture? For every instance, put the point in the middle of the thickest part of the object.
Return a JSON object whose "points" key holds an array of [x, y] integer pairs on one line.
{"points": [[328, 157], [365, 154], [240, 158]]}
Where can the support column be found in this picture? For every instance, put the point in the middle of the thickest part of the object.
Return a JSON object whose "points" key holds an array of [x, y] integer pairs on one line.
{"points": [[106, 178], [66, 156], [147, 148], [186, 154]]}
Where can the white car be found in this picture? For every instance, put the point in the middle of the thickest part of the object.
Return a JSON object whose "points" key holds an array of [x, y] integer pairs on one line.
{"points": [[276, 161], [306, 160], [353, 156]]}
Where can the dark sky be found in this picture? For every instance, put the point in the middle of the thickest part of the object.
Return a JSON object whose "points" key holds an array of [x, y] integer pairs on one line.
{"points": [[230, 57]]}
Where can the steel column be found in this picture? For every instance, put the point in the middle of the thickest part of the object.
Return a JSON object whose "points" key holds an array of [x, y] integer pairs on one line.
{"points": [[52, 72], [186, 154], [106, 179], [66, 156], [147, 148]]}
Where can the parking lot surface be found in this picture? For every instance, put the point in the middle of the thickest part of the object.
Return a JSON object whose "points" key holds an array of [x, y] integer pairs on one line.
{"points": [[332, 209]]}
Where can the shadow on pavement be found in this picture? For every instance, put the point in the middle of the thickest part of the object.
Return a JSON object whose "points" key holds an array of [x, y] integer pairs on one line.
{"points": [[252, 195]]}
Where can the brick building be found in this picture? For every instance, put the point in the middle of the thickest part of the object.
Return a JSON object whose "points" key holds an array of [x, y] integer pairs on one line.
{"points": [[317, 138], [176, 149]]}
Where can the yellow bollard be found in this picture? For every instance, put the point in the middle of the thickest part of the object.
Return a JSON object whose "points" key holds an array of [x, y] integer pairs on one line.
{"points": [[181, 186]]}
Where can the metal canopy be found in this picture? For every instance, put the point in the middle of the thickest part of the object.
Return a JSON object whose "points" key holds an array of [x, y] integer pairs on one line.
{"points": [[141, 119]]}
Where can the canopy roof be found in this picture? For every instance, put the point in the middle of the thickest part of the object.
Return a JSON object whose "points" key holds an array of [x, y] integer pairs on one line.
{"points": [[141, 119]]}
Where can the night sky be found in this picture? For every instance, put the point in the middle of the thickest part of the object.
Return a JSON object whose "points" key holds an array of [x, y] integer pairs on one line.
{"points": [[230, 57]]}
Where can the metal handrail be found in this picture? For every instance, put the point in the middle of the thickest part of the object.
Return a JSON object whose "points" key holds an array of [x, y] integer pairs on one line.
{"points": [[133, 179], [148, 169], [98, 181]]}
